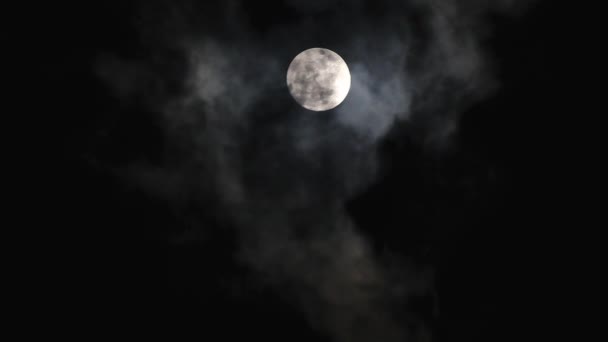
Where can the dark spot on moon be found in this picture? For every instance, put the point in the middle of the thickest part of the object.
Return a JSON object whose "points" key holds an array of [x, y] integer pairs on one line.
{"points": [[326, 93]]}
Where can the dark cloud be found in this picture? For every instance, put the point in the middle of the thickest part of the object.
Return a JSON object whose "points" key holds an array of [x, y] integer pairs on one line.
{"points": [[281, 174]]}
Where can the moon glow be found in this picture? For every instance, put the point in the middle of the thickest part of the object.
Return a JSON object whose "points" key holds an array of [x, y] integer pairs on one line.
{"points": [[318, 79]]}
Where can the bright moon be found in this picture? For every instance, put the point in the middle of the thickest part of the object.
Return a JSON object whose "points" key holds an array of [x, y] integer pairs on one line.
{"points": [[318, 79]]}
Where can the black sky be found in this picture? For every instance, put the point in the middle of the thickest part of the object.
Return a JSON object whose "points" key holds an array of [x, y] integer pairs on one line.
{"points": [[475, 209]]}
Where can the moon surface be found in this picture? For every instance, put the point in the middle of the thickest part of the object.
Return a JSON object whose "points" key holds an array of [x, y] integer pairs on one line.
{"points": [[318, 79]]}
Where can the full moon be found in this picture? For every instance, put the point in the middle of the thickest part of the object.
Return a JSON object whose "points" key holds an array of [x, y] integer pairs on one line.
{"points": [[318, 79]]}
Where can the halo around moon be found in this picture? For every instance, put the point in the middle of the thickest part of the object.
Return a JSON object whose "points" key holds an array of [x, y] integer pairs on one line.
{"points": [[318, 79]]}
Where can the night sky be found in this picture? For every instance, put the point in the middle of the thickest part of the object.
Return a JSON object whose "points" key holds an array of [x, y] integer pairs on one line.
{"points": [[200, 202]]}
